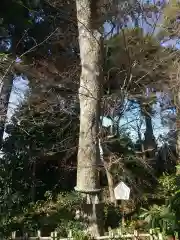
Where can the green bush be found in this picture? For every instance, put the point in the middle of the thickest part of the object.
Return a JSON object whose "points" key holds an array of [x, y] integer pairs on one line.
{"points": [[56, 214]]}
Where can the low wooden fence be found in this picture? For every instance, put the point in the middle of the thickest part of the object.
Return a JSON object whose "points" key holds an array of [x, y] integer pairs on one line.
{"points": [[118, 235]]}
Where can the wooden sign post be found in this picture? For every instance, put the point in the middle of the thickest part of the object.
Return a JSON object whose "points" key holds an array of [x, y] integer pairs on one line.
{"points": [[122, 192]]}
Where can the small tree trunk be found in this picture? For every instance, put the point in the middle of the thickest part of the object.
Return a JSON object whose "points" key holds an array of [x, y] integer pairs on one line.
{"points": [[178, 143], [90, 42], [111, 186], [149, 141], [33, 187]]}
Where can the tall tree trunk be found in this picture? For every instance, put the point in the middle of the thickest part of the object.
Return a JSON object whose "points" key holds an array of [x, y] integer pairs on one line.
{"points": [[90, 42], [178, 130], [6, 88]]}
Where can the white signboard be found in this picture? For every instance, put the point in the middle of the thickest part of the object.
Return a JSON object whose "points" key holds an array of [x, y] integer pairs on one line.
{"points": [[122, 191]]}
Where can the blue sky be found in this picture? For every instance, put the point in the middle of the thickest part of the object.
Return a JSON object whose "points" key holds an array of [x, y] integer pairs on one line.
{"points": [[132, 120], [20, 86]]}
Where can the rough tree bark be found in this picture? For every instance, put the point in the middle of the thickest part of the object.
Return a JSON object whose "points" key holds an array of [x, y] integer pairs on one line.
{"points": [[90, 42], [110, 185], [106, 161]]}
